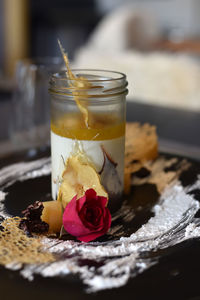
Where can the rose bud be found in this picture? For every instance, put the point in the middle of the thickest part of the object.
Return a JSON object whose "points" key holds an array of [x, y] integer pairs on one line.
{"points": [[87, 218]]}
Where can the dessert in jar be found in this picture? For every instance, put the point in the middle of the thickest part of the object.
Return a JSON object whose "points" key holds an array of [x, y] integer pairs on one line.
{"points": [[88, 114]]}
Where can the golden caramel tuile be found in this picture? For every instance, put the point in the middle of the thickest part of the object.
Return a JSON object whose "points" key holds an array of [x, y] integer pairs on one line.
{"points": [[77, 83], [16, 247]]}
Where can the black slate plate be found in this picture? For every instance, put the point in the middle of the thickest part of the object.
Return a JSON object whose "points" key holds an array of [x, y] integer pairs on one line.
{"points": [[175, 276]]}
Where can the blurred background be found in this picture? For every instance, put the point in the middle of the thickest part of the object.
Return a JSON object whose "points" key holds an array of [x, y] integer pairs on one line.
{"points": [[155, 42]]}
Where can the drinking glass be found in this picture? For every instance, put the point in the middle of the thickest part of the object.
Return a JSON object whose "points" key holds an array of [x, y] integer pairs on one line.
{"points": [[30, 119]]}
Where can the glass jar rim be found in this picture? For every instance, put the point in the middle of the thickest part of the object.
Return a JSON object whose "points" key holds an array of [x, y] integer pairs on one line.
{"points": [[121, 76], [104, 83]]}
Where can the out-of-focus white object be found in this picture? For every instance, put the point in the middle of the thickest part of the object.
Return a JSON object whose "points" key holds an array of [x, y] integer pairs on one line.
{"points": [[177, 18], [125, 28], [155, 78]]}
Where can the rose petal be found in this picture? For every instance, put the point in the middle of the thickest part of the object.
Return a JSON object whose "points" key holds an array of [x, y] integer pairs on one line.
{"points": [[102, 200], [80, 203], [96, 221], [90, 194], [95, 235], [71, 220]]}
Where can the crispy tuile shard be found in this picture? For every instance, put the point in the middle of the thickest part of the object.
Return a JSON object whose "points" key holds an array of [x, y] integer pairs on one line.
{"points": [[141, 145], [77, 83], [17, 247]]}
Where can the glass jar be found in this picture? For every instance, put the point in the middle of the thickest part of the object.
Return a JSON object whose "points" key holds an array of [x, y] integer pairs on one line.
{"points": [[102, 138]]}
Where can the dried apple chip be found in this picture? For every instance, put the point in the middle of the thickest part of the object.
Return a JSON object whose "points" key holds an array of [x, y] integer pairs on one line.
{"points": [[79, 176]]}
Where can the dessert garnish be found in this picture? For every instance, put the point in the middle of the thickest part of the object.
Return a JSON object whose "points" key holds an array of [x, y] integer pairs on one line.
{"points": [[82, 198], [52, 214], [17, 247], [141, 146], [87, 217], [109, 175], [32, 223], [77, 83], [42, 218], [79, 176]]}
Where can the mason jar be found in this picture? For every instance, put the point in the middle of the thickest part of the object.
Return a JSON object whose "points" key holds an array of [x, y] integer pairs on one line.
{"points": [[102, 137]]}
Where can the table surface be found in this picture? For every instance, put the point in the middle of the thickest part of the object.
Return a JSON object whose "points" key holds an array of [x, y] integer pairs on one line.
{"points": [[177, 274]]}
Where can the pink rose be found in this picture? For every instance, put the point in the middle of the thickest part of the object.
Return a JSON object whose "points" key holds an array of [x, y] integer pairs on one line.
{"points": [[87, 218]]}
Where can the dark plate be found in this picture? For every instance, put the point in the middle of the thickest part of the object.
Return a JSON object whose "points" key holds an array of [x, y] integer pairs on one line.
{"points": [[176, 276]]}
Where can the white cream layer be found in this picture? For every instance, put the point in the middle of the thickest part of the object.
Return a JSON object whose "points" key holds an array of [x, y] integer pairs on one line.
{"points": [[62, 148]]}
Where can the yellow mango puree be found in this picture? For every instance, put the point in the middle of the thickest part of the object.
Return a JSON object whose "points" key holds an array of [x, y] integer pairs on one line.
{"points": [[102, 127]]}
